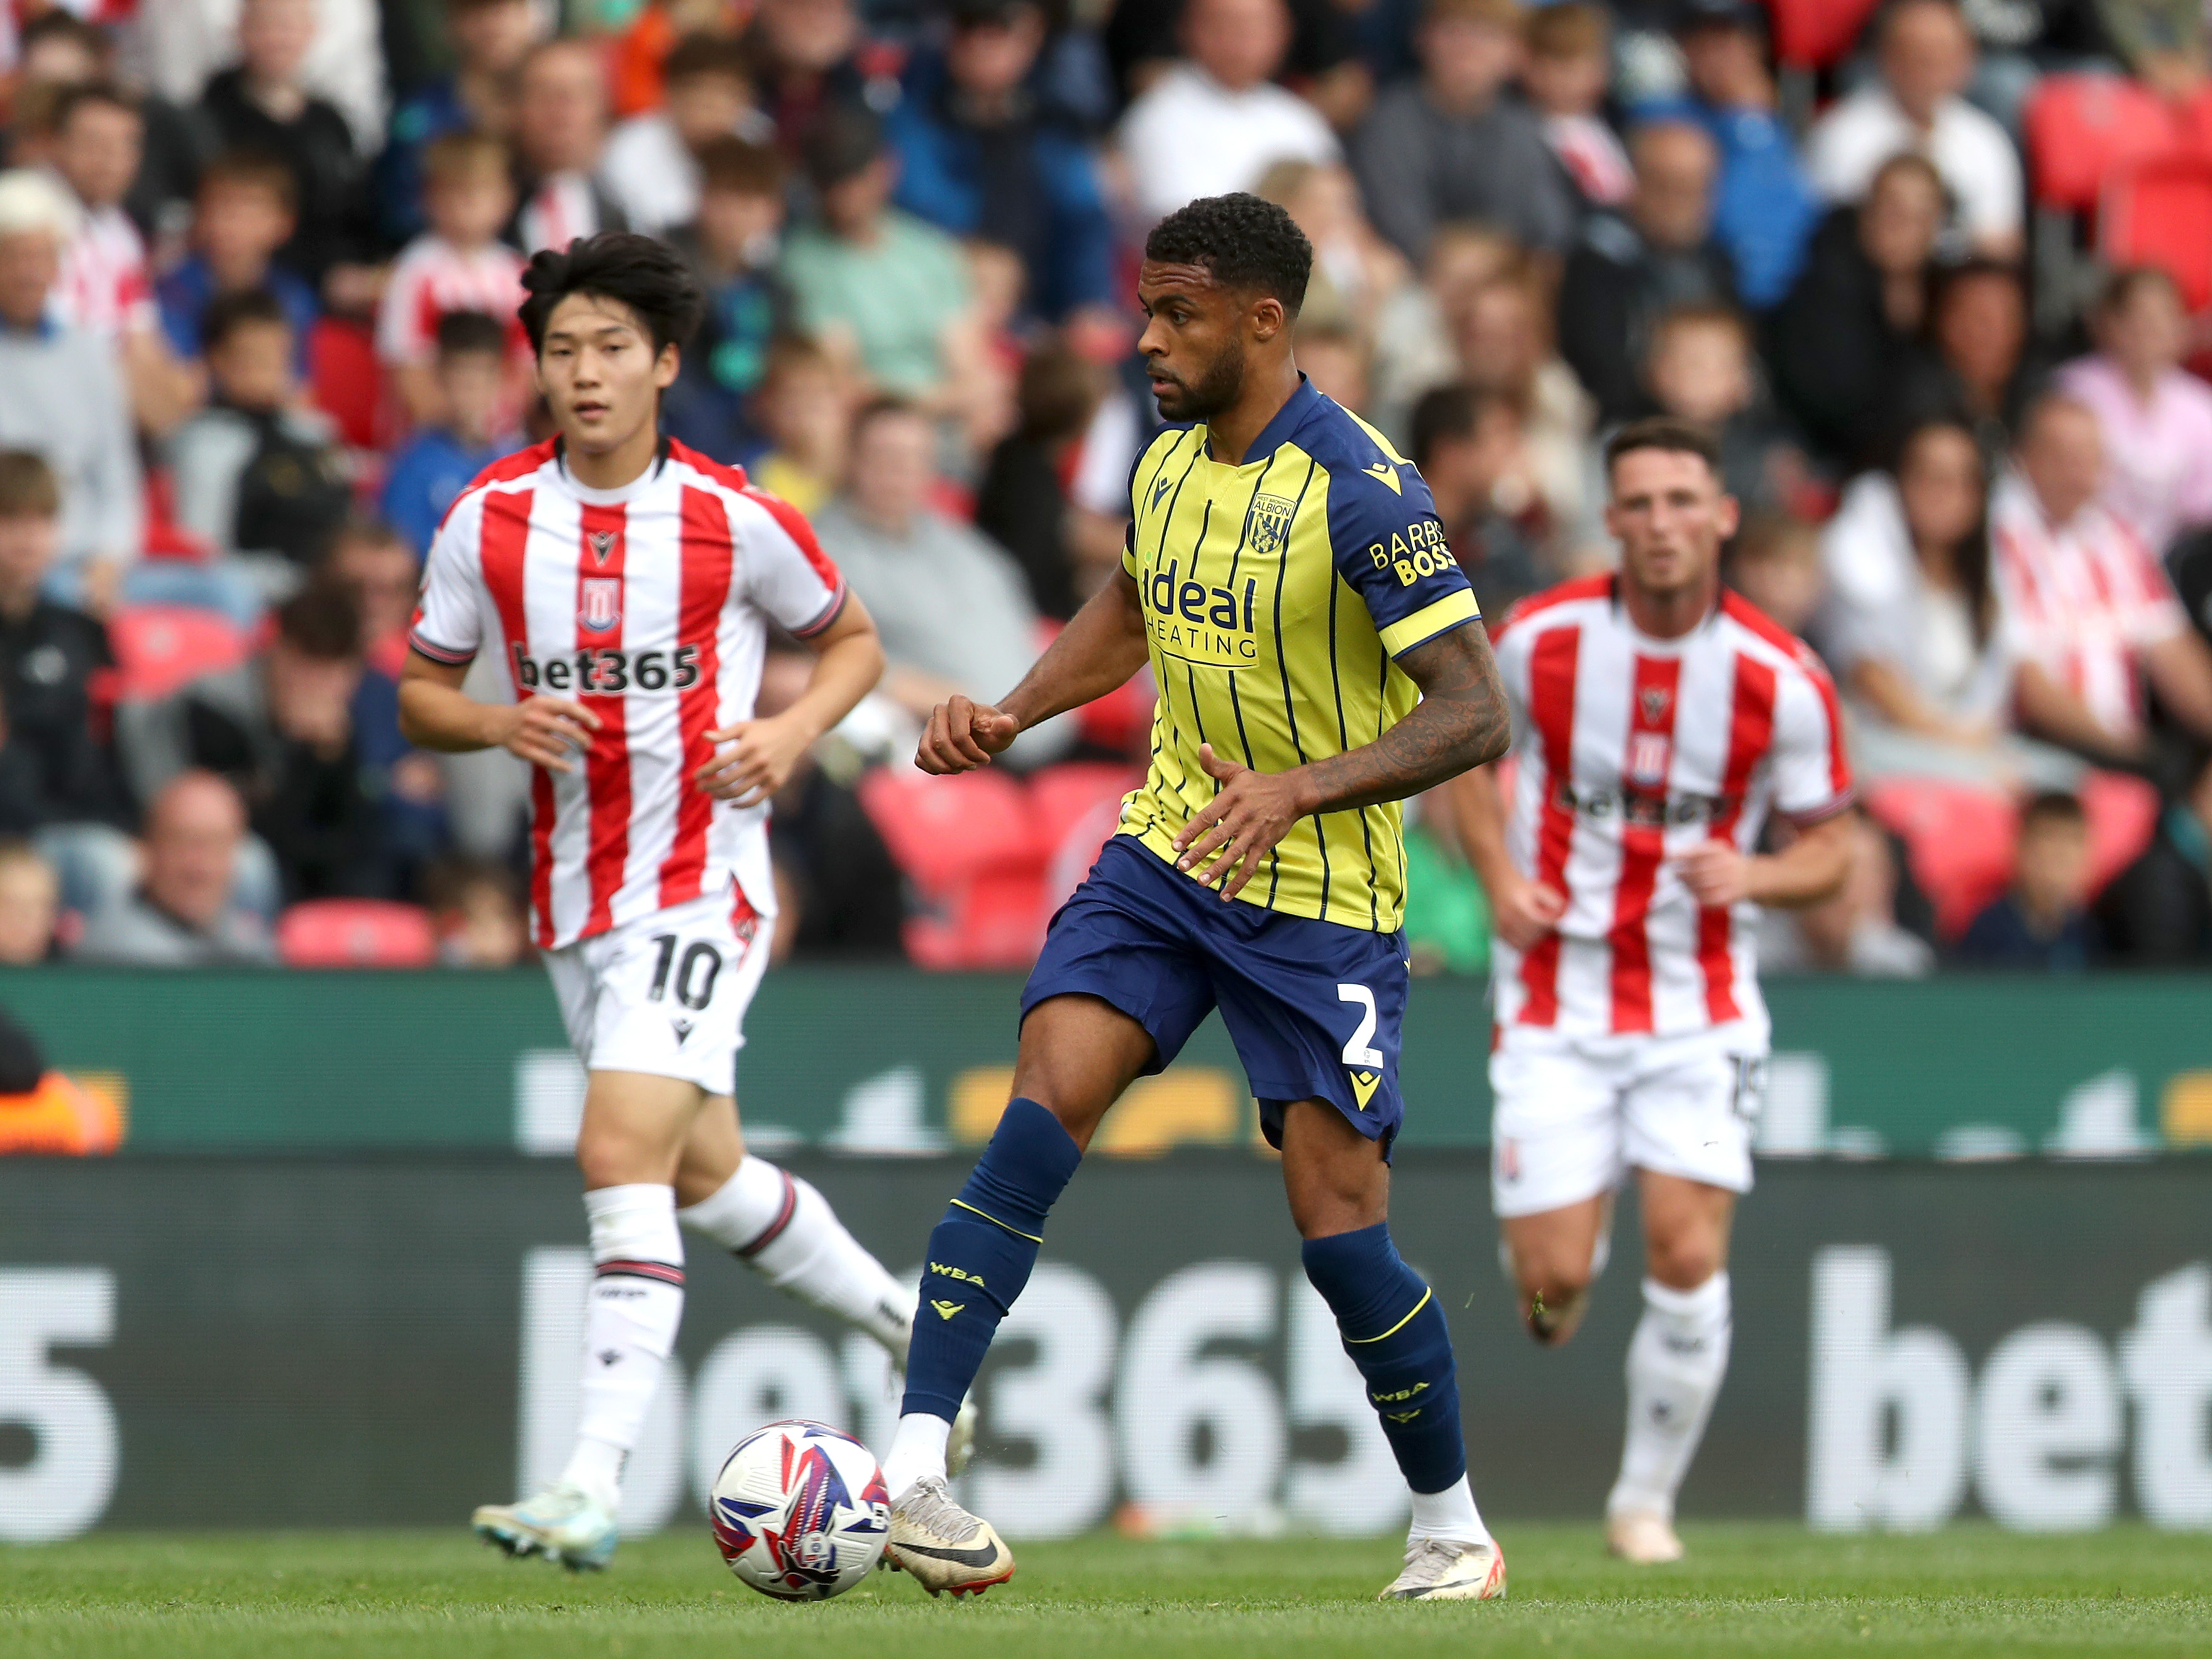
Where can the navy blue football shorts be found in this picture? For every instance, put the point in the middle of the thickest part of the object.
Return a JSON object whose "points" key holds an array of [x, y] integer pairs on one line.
{"points": [[1314, 1008]]}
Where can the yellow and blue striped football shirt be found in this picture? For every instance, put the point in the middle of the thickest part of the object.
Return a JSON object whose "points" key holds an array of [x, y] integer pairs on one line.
{"points": [[1276, 595]]}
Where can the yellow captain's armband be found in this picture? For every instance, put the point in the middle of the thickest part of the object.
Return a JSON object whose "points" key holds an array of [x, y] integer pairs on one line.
{"points": [[1429, 621]]}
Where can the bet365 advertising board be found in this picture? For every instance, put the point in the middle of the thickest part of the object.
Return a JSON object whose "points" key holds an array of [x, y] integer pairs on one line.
{"points": [[226, 1342]]}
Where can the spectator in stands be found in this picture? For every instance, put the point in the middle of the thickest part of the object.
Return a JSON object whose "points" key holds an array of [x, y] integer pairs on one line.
{"points": [[1568, 68], [954, 609], [1213, 122], [1466, 441], [438, 462], [183, 913], [258, 474], [1849, 333], [58, 50], [978, 158], [490, 38], [560, 140], [263, 104], [60, 395], [2093, 607], [243, 213], [476, 908], [458, 265], [803, 412], [807, 56], [1503, 333], [1628, 268], [732, 249], [106, 287], [1702, 369], [52, 659], [1764, 207], [373, 565], [1856, 932], [1023, 503], [2156, 418], [2039, 922], [838, 892], [280, 729], [1978, 365], [651, 165], [1356, 273], [1455, 144], [1926, 58], [1775, 562], [1914, 624], [876, 285], [30, 906]]}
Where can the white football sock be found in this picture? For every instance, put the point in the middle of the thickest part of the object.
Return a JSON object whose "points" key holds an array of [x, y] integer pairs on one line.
{"points": [[1448, 1514], [630, 1327], [785, 1230], [1676, 1364], [917, 1451]]}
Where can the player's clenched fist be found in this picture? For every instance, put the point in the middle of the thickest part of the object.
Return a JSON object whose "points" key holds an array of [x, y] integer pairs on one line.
{"points": [[1522, 911], [1716, 873], [962, 735], [756, 763], [545, 730]]}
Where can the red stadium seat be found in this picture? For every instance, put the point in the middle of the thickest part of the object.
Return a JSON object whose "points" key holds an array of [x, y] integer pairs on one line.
{"points": [[1061, 797], [356, 933], [995, 920], [945, 830], [970, 847], [2159, 212], [348, 381], [1959, 840], [159, 648], [1077, 806], [1813, 35], [2080, 127]]}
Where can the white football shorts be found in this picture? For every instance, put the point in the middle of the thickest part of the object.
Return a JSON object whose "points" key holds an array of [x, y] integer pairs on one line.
{"points": [[667, 993], [1573, 1115]]}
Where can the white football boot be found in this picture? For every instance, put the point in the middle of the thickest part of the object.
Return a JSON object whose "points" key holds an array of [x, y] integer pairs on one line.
{"points": [[1446, 1569], [1642, 1537], [944, 1546], [560, 1523]]}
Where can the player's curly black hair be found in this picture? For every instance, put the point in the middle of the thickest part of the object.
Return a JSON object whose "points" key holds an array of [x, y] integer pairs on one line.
{"points": [[1245, 242], [648, 276]]}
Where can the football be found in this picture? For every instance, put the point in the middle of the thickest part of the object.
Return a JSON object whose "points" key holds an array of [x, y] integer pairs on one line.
{"points": [[800, 1511]]}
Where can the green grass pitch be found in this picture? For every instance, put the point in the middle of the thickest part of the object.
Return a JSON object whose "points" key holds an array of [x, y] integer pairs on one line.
{"points": [[1747, 1590]]}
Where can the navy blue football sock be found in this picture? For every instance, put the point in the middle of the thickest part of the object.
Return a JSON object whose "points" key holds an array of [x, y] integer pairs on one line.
{"points": [[1395, 1334], [980, 1256]]}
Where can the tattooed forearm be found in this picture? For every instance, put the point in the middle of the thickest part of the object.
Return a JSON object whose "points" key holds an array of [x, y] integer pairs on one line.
{"points": [[1460, 722]]}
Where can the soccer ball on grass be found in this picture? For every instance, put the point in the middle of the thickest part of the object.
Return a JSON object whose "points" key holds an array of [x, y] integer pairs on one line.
{"points": [[800, 1511]]}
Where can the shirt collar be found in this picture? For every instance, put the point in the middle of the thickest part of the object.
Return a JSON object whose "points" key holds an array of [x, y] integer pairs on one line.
{"points": [[629, 492], [1277, 432]]}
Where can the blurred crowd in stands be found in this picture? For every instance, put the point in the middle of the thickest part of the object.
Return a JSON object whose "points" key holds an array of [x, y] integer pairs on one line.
{"points": [[1938, 272]]}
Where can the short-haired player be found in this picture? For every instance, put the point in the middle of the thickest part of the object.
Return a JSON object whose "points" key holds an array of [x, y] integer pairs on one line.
{"points": [[1658, 722], [1319, 657], [626, 586]]}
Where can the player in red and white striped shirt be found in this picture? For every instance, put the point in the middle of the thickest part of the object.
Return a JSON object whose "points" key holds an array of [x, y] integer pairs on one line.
{"points": [[1658, 721], [626, 585]]}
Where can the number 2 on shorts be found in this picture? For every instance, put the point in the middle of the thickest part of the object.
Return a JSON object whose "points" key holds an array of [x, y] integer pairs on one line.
{"points": [[1360, 1051]]}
